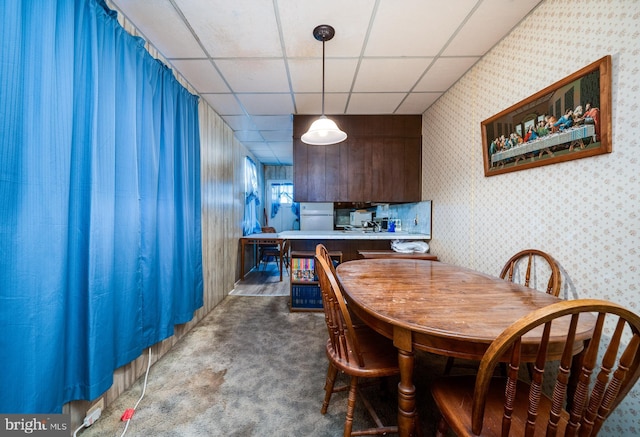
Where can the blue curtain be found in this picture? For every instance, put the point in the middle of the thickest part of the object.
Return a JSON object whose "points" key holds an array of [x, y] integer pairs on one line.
{"points": [[100, 233]]}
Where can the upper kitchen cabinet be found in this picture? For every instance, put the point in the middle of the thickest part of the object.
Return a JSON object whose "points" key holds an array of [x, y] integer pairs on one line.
{"points": [[380, 161]]}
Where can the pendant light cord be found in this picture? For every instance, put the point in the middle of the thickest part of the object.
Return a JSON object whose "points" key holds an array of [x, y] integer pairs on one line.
{"points": [[323, 76]]}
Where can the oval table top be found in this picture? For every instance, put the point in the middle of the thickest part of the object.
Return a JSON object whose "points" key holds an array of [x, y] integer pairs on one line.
{"points": [[449, 310]]}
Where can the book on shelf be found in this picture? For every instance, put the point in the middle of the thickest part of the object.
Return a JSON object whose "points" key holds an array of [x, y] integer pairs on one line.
{"points": [[303, 269]]}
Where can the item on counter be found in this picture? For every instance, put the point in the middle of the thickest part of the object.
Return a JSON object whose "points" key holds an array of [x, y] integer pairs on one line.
{"points": [[410, 246]]}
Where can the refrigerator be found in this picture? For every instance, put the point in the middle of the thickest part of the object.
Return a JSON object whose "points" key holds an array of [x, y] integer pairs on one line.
{"points": [[316, 216]]}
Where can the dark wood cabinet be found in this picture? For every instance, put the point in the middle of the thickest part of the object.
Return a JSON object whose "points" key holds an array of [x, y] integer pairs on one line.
{"points": [[380, 161]]}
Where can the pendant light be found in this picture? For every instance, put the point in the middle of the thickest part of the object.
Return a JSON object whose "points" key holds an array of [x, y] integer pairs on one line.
{"points": [[323, 131]]}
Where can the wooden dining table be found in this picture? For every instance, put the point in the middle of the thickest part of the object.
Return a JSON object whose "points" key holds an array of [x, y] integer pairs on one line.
{"points": [[442, 309], [257, 240]]}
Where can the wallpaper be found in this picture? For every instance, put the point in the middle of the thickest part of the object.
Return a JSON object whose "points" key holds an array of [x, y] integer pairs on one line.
{"points": [[586, 212]]}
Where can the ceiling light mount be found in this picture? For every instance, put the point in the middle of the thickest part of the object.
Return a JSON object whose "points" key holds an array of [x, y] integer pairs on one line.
{"points": [[323, 131], [324, 32]]}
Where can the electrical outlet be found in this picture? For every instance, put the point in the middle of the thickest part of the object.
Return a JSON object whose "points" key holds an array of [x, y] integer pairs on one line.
{"points": [[99, 404]]}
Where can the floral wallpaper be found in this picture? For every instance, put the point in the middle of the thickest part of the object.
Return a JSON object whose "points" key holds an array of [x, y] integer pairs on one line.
{"points": [[586, 212]]}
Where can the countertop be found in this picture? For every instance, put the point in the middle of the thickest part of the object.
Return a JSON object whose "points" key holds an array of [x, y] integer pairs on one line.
{"points": [[351, 235]]}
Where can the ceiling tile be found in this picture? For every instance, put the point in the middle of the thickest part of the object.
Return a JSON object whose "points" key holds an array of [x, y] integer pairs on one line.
{"points": [[307, 76], [224, 104], [489, 24], [443, 73], [389, 74], [312, 103], [255, 75], [202, 75], [259, 146], [417, 28], [417, 103], [267, 104], [272, 122], [239, 122], [239, 28], [374, 103], [281, 146], [277, 135], [248, 136], [161, 24], [350, 20]]}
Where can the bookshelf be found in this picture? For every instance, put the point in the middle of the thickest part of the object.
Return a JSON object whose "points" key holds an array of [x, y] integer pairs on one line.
{"points": [[305, 291]]}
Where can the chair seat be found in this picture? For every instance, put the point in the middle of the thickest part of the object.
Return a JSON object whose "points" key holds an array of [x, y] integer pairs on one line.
{"points": [[379, 353], [454, 397]]}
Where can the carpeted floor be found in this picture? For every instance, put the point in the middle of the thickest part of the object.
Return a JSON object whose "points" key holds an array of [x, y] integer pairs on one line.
{"points": [[251, 368]]}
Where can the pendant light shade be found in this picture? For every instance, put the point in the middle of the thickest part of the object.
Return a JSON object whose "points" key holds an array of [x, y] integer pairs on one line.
{"points": [[323, 131]]}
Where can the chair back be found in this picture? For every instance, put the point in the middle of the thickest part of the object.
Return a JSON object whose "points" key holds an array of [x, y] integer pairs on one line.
{"points": [[617, 367], [286, 249], [531, 255], [268, 230], [339, 322]]}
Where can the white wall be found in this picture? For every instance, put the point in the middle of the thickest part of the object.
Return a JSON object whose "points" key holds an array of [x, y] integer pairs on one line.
{"points": [[586, 212]]}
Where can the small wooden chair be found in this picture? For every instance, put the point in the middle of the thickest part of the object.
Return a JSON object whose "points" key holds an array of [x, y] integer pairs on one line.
{"points": [[531, 255], [286, 254], [268, 251], [359, 352], [513, 266], [496, 406]]}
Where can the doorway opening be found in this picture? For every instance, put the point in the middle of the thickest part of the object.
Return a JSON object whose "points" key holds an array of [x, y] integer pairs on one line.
{"points": [[281, 211]]}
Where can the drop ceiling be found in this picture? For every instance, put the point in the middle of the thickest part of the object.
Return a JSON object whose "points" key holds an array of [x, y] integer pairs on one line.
{"points": [[256, 61]]}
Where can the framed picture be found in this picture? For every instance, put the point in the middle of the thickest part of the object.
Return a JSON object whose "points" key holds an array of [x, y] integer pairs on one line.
{"points": [[568, 120]]}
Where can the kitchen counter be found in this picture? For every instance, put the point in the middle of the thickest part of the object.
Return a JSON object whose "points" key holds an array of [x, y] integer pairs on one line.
{"points": [[351, 235]]}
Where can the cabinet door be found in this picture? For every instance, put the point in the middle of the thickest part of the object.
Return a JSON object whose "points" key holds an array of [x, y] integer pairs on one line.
{"points": [[300, 179], [309, 176], [412, 188], [332, 173], [358, 170], [396, 168], [381, 157]]}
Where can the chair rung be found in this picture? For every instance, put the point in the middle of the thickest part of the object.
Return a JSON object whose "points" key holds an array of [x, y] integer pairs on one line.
{"points": [[377, 431], [380, 428]]}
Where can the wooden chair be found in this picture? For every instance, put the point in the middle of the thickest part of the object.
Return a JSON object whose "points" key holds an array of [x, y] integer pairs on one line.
{"points": [[498, 406], [286, 254], [268, 251], [531, 256], [515, 265], [358, 352]]}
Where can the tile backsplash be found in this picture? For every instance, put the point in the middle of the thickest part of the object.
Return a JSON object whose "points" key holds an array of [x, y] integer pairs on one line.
{"points": [[414, 217]]}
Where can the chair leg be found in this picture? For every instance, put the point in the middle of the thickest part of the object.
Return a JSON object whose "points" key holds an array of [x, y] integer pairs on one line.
{"points": [[351, 405], [329, 383]]}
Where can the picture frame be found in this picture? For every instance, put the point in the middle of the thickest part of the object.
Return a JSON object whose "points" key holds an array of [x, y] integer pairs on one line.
{"points": [[575, 111]]}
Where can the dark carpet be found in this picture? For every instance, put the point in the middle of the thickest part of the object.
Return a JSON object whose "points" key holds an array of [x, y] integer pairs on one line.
{"points": [[252, 368]]}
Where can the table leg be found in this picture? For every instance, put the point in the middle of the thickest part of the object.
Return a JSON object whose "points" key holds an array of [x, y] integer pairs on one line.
{"points": [[280, 257], [406, 395], [242, 244], [402, 339]]}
